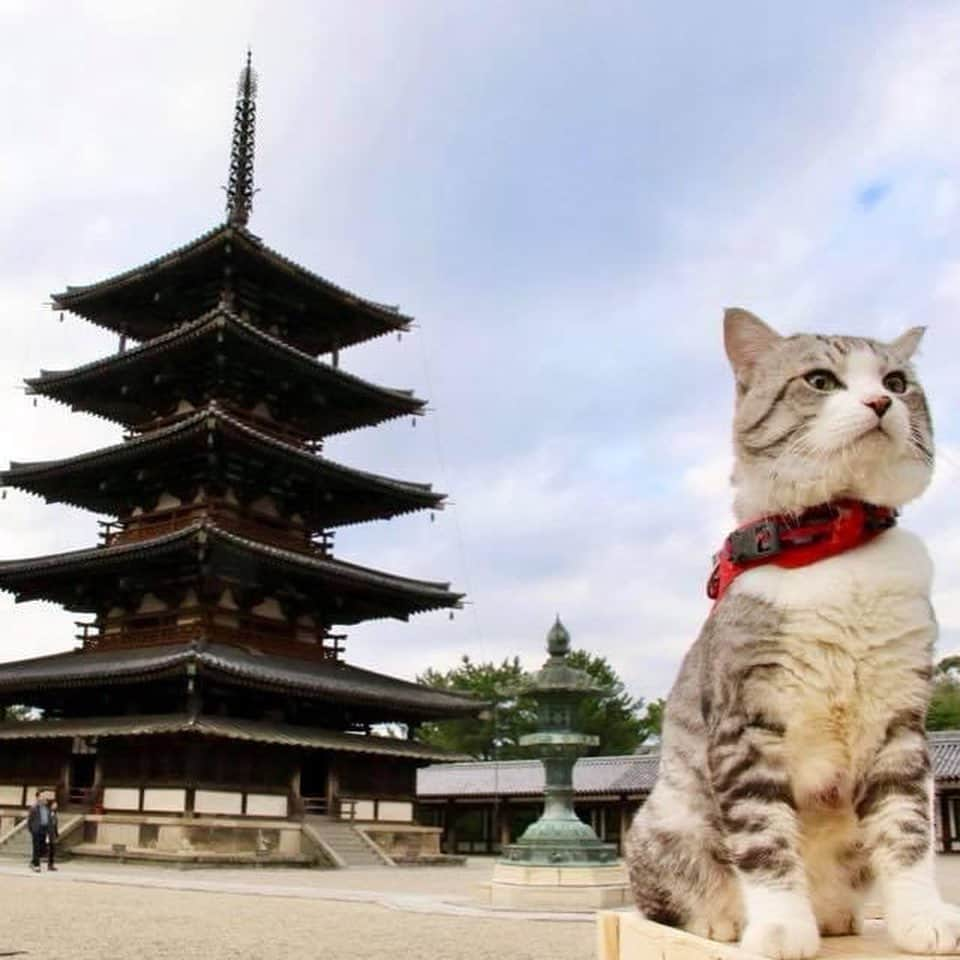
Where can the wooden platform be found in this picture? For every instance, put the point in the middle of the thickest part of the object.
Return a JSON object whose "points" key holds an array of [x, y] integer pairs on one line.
{"points": [[628, 936]]}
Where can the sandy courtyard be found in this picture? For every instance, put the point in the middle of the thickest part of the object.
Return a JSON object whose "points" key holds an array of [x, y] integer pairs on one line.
{"points": [[422, 914], [96, 911]]}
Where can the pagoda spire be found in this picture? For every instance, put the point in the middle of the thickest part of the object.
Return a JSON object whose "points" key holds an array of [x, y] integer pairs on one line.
{"points": [[240, 185]]}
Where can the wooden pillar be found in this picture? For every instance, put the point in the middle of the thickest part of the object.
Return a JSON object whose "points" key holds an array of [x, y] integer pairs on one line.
{"points": [[65, 782], [946, 833], [624, 824], [450, 827], [294, 802], [333, 787], [504, 819], [97, 788]]}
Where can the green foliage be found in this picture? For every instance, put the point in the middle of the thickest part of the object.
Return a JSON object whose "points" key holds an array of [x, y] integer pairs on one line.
{"points": [[653, 717], [619, 720], [507, 717], [944, 710], [613, 716]]}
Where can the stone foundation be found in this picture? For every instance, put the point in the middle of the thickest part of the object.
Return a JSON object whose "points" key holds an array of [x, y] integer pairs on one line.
{"points": [[195, 839], [407, 843], [573, 888]]}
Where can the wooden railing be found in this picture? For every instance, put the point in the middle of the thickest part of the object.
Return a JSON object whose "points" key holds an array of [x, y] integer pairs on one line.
{"points": [[188, 624], [254, 526]]}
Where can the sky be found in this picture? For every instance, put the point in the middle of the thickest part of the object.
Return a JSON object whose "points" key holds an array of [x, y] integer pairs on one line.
{"points": [[565, 196]]}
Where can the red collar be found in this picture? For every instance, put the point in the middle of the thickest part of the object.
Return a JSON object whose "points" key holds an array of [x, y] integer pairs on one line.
{"points": [[794, 541]]}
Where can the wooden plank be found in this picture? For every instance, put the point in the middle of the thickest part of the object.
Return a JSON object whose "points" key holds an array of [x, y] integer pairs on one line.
{"points": [[608, 935], [628, 936]]}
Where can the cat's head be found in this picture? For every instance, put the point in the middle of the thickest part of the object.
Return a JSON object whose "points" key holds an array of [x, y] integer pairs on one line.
{"points": [[822, 417]]}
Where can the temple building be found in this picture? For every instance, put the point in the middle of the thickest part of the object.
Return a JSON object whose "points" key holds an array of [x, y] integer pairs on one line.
{"points": [[208, 706]]}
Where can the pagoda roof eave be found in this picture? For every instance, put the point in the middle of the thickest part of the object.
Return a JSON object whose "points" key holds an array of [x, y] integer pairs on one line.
{"points": [[390, 595], [30, 476], [332, 680], [228, 728], [87, 300], [60, 384]]}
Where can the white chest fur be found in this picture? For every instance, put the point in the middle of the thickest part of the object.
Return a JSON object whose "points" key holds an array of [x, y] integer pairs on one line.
{"points": [[856, 630]]}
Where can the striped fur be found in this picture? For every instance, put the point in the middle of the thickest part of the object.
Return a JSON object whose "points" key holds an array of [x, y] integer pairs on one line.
{"points": [[794, 770]]}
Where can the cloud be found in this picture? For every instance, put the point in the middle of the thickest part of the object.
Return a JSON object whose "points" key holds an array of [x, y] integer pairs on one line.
{"points": [[566, 200]]}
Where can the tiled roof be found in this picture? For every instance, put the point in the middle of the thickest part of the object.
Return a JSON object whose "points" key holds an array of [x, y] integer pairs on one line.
{"points": [[334, 680], [74, 385], [398, 496], [634, 774], [591, 775], [228, 232], [131, 301], [205, 532], [945, 754], [232, 729]]}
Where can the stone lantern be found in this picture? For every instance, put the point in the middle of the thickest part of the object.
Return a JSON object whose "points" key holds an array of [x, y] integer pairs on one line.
{"points": [[559, 859]]}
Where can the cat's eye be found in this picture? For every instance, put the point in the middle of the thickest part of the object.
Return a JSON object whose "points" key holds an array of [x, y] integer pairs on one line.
{"points": [[822, 380], [895, 382]]}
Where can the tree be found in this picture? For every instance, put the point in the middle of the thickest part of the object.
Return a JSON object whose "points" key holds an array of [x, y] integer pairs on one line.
{"points": [[944, 710], [506, 718], [653, 717], [613, 716], [616, 718]]}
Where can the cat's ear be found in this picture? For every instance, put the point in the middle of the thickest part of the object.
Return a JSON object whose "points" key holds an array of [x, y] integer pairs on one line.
{"points": [[746, 338], [905, 346]]}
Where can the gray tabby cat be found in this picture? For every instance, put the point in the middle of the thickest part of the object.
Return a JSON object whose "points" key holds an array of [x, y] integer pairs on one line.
{"points": [[794, 768]]}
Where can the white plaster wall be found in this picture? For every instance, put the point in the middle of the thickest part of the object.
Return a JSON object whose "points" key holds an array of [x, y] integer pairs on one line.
{"points": [[217, 801], [395, 811], [11, 796], [363, 810], [266, 805], [121, 798], [167, 800]]}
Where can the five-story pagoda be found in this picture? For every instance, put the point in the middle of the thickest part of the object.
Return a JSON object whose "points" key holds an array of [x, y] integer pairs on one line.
{"points": [[210, 679]]}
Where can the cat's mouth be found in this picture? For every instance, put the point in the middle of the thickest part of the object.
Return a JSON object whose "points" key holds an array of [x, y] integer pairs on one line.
{"points": [[875, 430]]}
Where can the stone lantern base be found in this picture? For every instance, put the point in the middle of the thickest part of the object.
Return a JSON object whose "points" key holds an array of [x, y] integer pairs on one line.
{"points": [[574, 887]]}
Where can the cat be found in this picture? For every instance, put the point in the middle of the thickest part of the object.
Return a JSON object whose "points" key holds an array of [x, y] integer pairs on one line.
{"points": [[794, 771]]}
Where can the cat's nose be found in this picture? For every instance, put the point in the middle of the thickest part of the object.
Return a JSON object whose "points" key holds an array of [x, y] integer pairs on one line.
{"points": [[880, 404]]}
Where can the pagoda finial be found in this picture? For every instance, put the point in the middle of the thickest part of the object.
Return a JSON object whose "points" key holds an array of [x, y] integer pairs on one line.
{"points": [[558, 640], [240, 186]]}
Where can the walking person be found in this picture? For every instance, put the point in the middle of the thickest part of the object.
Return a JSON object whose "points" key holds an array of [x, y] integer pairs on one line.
{"points": [[53, 829], [38, 822]]}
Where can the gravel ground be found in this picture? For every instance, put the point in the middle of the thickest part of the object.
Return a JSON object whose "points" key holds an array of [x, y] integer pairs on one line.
{"points": [[86, 921], [98, 911]]}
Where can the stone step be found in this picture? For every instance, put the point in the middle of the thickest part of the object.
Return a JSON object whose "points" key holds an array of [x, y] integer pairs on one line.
{"points": [[345, 842]]}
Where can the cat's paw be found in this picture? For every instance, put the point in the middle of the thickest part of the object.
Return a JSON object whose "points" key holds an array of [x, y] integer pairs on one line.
{"points": [[795, 939], [933, 929], [715, 928]]}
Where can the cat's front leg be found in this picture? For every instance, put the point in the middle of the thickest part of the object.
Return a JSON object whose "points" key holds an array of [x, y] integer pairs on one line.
{"points": [[895, 808], [762, 832]]}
